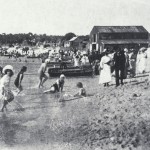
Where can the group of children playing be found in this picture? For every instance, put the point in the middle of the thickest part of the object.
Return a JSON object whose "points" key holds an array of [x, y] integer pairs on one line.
{"points": [[58, 85], [6, 95]]}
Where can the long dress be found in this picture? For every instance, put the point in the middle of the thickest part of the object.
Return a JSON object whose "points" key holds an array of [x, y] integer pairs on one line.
{"points": [[148, 60], [133, 64], [141, 62], [105, 73], [5, 83], [76, 61], [84, 60]]}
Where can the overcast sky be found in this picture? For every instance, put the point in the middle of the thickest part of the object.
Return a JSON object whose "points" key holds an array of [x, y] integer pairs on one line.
{"points": [[58, 17]]}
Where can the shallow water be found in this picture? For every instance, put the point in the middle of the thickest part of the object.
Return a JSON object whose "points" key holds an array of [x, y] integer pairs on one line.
{"points": [[34, 118]]}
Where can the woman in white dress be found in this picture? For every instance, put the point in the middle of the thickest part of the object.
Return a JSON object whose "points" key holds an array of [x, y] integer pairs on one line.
{"points": [[6, 94], [141, 61], [105, 70], [76, 61]]}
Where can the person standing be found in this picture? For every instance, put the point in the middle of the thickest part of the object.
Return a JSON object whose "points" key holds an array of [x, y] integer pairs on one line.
{"points": [[141, 61], [5, 92], [42, 76], [127, 66], [84, 59], [132, 60], [76, 60], [105, 70], [119, 65], [19, 79]]}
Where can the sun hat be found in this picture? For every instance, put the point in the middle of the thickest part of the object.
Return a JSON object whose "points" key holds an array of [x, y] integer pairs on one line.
{"points": [[8, 67], [142, 49], [125, 50], [62, 76]]}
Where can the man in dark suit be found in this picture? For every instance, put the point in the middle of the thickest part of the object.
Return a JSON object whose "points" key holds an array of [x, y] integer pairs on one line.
{"points": [[119, 62]]}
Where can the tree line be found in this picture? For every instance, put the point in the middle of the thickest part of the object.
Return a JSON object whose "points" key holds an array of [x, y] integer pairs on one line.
{"points": [[29, 37]]}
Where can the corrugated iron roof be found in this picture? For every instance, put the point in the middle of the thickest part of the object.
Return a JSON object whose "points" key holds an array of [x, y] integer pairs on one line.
{"points": [[120, 29], [126, 41]]}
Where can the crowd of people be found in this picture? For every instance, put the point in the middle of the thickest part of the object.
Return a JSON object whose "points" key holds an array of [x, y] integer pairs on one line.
{"points": [[121, 63]]}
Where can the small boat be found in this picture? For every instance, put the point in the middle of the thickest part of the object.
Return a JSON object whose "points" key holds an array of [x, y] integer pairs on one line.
{"points": [[57, 64], [33, 57], [71, 71]]}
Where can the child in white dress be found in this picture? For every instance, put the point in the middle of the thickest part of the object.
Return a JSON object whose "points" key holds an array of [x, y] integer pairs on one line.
{"points": [[5, 92]]}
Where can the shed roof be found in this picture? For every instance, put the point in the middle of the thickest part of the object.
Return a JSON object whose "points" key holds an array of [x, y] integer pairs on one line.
{"points": [[125, 41], [72, 39], [120, 29]]}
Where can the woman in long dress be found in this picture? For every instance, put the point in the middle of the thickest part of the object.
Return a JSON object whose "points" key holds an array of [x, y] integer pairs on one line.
{"points": [[76, 61], [105, 70], [141, 61]]}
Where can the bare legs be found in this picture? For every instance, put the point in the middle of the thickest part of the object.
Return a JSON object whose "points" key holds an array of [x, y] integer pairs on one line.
{"points": [[42, 81], [4, 105]]}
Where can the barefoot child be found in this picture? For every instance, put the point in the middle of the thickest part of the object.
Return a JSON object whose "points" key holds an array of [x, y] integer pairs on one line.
{"points": [[57, 86], [42, 76], [5, 92], [82, 91], [19, 79]]}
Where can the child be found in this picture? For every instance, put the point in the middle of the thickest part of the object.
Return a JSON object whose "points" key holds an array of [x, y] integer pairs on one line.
{"points": [[5, 92], [82, 91], [58, 85], [19, 79], [42, 76]]}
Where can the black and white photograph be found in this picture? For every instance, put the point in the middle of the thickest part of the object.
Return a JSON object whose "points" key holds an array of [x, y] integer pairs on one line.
{"points": [[74, 75]]}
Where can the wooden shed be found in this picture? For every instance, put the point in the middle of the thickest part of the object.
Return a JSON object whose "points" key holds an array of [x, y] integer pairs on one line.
{"points": [[118, 36]]}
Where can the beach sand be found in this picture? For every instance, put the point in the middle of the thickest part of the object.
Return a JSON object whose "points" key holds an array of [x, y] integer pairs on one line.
{"points": [[111, 119]]}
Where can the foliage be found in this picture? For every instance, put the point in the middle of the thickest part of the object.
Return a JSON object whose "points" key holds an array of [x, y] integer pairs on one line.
{"points": [[30, 38], [68, 36]]}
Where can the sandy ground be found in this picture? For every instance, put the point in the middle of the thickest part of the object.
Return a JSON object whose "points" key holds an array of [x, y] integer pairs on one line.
{"points": [[110, 119]]}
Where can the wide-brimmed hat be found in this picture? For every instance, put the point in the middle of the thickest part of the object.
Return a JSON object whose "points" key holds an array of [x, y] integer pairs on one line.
{"points": [[142, 49], [8, 67]]}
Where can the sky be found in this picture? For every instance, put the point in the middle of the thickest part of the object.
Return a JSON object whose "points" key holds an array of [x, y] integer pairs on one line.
{"points": [[58, 17]]}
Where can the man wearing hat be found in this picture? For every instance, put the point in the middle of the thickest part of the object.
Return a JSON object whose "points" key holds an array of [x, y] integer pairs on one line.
{"points": [[119, 61]]}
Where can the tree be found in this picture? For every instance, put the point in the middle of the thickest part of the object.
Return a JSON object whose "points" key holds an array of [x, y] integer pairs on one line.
{"points": [[68, 36]]}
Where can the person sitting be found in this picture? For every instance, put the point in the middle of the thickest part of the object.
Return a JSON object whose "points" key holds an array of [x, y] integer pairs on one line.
{"points": [[82, 91], [57, 86]]}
